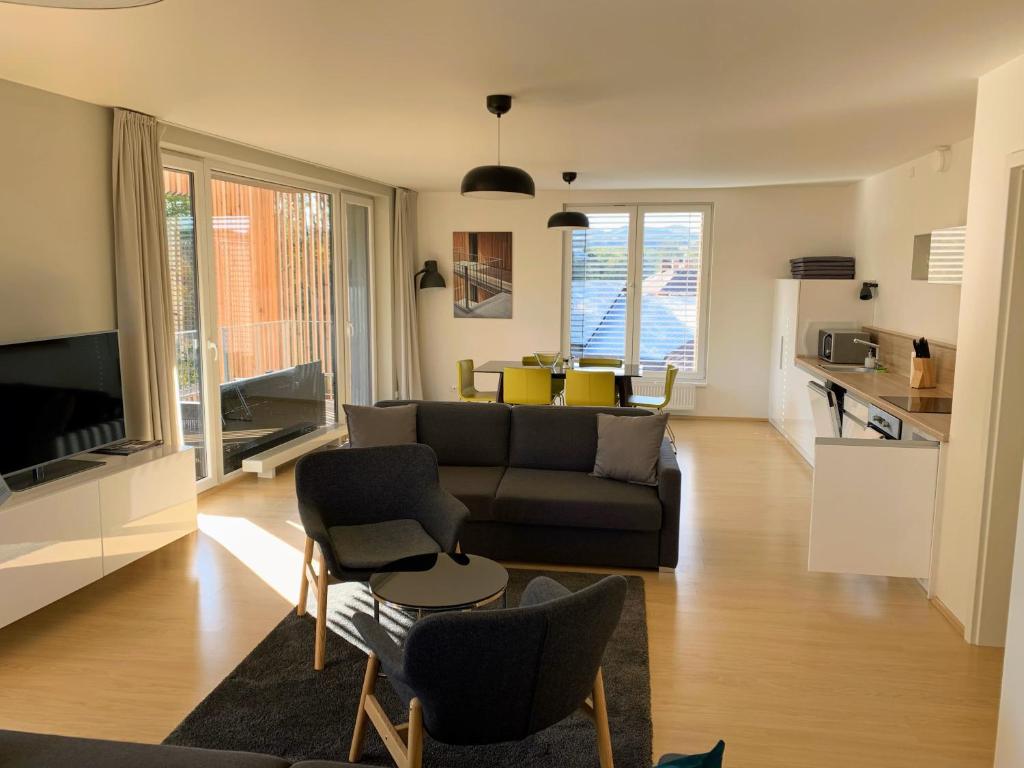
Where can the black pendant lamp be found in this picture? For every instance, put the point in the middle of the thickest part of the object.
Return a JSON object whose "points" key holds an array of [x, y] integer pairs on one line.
{"points": [[569, 220], [498, 182]]}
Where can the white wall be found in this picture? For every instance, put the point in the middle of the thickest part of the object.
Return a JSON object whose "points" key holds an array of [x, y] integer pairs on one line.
{"points": [[56, 220], [1010, 739], [893, 207], [980, 504], [756, 231]]}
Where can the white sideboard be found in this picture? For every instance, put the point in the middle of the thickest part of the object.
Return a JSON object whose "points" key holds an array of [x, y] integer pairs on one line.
{"points": [[60, 536]]}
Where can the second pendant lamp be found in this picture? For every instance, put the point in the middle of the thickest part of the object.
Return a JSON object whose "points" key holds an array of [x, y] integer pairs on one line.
{"points": [[498, 181], [569, 220]]}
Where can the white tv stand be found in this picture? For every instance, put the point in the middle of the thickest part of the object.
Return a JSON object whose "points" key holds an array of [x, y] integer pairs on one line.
{"points": [[57, 537]]}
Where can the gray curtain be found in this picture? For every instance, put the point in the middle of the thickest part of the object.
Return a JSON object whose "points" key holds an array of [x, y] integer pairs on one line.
{"points": [[405, 327], [143, 281]]}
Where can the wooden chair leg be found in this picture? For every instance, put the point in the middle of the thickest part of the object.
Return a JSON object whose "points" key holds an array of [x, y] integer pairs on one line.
{"points": [[415, 735], [307, 561], [604, 734], [369, 685], [321, 614]]}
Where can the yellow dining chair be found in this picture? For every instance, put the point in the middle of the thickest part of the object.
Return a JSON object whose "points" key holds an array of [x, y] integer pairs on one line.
{"points": [[589, 388], [600, 362], [467, 385], [557, 385], [527, 386], [659, 402]]}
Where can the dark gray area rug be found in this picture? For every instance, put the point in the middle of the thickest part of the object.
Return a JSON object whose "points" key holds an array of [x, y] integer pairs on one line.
{"points": [[275, 703]]}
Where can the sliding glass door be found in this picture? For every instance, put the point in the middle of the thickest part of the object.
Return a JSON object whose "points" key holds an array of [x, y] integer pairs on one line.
{"points": [[272, 296], [273, 251], [183, 253]]}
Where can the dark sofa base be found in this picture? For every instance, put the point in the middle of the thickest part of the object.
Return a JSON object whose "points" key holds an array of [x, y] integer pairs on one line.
{"points": [[564, 546]]}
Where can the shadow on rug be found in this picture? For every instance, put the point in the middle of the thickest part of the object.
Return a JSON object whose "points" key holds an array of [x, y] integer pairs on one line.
{"points": [[275, 703]]}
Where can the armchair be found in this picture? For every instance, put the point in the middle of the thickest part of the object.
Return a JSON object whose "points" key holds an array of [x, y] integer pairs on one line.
{"points": [[486, 677], [364, 508]]}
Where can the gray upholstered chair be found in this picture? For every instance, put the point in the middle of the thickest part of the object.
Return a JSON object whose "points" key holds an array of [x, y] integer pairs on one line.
{"points": [[486, 677], [365, 508]]}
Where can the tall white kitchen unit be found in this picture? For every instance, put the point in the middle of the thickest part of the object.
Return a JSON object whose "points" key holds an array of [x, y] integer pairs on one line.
{"points": [[802, 308]]}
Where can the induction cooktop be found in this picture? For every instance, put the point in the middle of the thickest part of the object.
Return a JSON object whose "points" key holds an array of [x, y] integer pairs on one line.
{"points": [[921, 404]]}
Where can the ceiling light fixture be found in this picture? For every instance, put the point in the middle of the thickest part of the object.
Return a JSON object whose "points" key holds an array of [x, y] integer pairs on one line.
{"points": [[85, 5], [498, 182], [569, 220]]}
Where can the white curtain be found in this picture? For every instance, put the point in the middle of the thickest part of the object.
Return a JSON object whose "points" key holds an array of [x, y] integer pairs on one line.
{"points": [[143, 281], [405, 338]]}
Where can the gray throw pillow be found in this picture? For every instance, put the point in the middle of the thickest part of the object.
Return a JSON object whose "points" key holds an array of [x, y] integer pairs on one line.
{"points": [[369, 426], [628, 447]]}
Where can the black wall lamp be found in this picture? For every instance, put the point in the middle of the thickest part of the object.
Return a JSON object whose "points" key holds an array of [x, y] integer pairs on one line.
{"points": [[868, 291], [431, 277]]}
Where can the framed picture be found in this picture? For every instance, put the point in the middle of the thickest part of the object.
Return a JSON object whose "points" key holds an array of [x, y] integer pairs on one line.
{"points": [[482, 273]]}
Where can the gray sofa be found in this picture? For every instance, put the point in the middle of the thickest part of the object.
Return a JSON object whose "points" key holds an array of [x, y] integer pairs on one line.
{"points": [[41, 750], [523, 472]]}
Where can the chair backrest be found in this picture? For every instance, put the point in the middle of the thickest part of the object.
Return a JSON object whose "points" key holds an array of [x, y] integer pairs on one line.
{"points": [[670, 381], [467, 381], [590, 388], [548, 358], [490, 676], [353, 486], [530, 360], [600, 362], [527, 386]]}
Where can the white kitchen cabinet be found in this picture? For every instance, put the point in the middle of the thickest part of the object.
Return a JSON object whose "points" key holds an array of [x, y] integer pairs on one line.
{"points": [[873, 507], [801, 309]]}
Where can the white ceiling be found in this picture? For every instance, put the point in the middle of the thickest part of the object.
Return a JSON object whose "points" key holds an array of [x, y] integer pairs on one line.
{"points": [[631, 93]]}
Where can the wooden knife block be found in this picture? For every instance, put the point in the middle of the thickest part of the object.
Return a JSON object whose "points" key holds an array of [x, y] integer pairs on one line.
{"points": [[922, 373]]}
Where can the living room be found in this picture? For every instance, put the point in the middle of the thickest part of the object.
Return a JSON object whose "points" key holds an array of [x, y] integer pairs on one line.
{"points": [[422, 384]]}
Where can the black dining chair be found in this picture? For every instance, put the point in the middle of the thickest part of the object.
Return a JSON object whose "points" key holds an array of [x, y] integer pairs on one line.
{"points": [[364, 508], [486, 677]]}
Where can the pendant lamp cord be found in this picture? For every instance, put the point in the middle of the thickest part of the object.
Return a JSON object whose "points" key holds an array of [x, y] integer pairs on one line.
{"points": [[499, 139]]}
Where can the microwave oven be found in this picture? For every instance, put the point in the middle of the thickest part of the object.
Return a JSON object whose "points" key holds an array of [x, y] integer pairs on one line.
{"points": [[837, 346]]}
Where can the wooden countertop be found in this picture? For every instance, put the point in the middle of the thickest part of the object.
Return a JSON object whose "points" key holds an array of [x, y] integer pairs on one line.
{"points": [[870, 387]]}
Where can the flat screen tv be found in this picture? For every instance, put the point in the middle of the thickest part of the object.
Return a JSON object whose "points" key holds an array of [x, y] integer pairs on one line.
{"points": [[58, 397]]}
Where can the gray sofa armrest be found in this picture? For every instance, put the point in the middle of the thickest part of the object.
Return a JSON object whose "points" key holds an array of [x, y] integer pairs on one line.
{"points": [[669, 484]]}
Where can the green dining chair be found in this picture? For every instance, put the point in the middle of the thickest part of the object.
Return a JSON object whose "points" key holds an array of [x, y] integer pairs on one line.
{"points": [[527, 386], [600, 362], [590, 388], [557, 385], [467, 385], [659, 402]]}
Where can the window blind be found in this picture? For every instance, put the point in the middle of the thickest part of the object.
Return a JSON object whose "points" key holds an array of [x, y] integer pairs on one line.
{"points": [[946, 255], [598, 308], [670, 291]]}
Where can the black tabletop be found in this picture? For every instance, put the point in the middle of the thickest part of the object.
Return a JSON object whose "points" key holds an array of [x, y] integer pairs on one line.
{"points": [[439, 582]]}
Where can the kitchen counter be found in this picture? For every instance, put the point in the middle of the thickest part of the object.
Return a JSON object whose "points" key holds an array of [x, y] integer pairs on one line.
{"points": [[871, 387]]}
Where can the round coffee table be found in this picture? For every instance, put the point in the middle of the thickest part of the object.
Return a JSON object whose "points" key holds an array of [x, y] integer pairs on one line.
{"points": [[439, 582]]}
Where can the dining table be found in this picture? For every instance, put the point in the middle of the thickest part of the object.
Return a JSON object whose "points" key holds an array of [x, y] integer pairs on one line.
{"points": [[624, 374]]}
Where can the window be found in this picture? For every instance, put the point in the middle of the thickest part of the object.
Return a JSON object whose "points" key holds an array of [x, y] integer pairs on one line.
{"points": [[638, 286]]}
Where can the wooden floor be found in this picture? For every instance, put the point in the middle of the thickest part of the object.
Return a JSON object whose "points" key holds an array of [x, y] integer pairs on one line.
{"points": [[792, 669]]}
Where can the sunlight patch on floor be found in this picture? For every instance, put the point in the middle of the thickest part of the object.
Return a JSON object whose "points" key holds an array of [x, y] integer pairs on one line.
{"points": [[275, 562]]}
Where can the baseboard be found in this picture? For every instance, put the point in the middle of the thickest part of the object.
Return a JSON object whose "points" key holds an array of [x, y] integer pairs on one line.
{"points": [[695, 417], [949, 616]]}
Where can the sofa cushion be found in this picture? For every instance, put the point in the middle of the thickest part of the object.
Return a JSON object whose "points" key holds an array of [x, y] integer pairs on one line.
{"points": [[462, 434], [628, 449], [475, 487], [558, 437], [37, 750], [575, 500], [375, 427], [371, 545]]}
